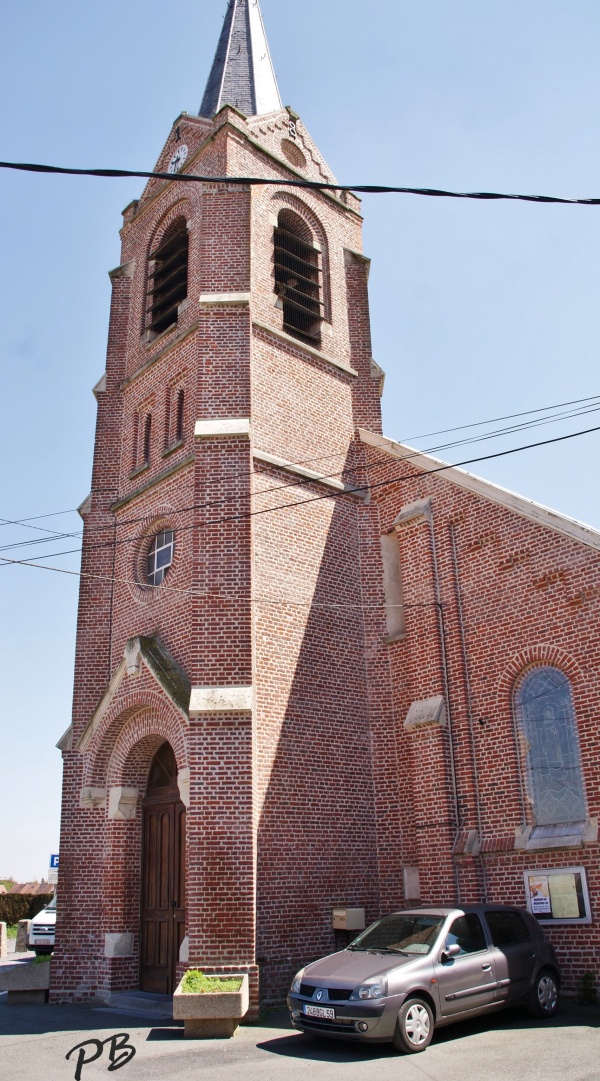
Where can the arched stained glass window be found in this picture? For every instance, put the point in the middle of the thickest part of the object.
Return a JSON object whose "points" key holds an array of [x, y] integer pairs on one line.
{"points": [[545, 712]]}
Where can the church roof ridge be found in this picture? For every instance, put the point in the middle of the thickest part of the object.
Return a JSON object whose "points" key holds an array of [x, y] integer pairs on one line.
{"points": [[242, 73], [520, 504]]}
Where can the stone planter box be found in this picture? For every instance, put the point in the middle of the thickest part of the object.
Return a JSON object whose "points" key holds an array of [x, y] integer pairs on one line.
{"points": [[215, 1014], [25, 982]]}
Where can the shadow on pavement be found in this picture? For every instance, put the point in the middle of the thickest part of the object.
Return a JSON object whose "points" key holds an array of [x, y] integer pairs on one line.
{"points": [[322, 1049], [44, 1019], [281, 1038], [174, 1032]]}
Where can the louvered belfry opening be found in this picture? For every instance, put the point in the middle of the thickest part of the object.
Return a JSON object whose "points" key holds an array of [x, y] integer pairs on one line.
{"points": [[298, 278], [168, 277]]}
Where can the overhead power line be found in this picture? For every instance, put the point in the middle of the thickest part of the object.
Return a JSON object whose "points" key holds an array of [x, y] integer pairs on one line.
{"points": [[52, 535], [537, 421], [328, 495], [314, 185]]}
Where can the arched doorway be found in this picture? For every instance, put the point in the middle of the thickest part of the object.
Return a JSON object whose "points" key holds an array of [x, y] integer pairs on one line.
{"points": [[163, 875]]}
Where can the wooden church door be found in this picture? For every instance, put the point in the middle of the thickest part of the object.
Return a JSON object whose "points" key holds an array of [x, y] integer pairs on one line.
{"points": [[163, 875]]}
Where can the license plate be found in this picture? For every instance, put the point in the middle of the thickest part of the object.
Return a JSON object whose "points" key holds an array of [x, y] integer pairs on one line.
{"points": [[44, 941], [319, 1011]]}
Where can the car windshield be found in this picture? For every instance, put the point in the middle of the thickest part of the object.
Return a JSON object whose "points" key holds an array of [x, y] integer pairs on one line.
{"points": [[404, 932], [51, 906]]}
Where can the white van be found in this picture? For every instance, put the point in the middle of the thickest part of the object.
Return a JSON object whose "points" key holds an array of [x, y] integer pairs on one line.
{"points": [[41, 931]]}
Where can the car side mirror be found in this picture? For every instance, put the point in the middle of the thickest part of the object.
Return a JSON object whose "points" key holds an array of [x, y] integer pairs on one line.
{"points": [[450, 951]]}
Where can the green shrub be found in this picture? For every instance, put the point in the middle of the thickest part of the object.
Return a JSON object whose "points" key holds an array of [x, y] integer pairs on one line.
{"points": [[21, 906], [11, 932], [41, 959], [196, 982]]}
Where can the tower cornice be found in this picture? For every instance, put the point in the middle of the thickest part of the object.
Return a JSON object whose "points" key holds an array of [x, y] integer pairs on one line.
{"points": [[231, 123]]}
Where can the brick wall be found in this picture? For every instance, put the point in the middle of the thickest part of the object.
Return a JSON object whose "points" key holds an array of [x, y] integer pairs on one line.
{"points": [[318, 796]]}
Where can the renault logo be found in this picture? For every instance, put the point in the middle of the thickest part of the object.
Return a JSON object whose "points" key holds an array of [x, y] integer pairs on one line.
{"points": [[319, 996]]}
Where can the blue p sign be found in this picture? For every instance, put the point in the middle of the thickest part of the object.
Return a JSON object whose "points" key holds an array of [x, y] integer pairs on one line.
{"points": [[54, 862]]}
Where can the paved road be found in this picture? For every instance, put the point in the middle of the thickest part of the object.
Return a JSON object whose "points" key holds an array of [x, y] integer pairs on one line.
{"points": [[35, 1039]]}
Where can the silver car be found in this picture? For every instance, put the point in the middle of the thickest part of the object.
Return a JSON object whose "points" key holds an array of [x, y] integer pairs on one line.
{"points": [[427, 967]]}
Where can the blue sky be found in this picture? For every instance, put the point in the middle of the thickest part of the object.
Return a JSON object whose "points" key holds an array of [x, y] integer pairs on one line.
{"points": [[478, 309]]}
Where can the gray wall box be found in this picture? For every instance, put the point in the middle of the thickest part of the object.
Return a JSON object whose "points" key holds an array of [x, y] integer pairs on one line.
{"points": [[348, 919], [412, 885]]}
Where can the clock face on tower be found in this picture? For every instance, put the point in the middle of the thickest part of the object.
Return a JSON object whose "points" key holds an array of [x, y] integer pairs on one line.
{"points": [[178, 159]]}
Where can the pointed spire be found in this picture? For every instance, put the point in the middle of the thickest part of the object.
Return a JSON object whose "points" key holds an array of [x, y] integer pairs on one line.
{"points": [[242, 73]]}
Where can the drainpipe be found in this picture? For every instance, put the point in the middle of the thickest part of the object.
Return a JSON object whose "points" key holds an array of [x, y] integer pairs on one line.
{"points": [[469, 696], [444, 660]]}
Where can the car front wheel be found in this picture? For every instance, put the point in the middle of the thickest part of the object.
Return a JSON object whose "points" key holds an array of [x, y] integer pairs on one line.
{"points": [[414, 1027], [544, 996]]}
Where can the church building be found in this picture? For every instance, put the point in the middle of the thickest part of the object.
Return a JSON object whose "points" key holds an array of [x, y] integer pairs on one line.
{"points": [[317, 672]]}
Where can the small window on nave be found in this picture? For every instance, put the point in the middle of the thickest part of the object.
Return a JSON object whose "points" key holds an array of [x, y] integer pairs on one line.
{"points": [[168, 278], [298, 277]]}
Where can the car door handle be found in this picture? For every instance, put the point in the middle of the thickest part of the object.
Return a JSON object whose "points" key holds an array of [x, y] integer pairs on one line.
{"points": [[487, 968]]}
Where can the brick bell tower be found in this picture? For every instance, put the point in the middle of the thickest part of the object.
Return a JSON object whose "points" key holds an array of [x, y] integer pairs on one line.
{"points": [[218, 798]]}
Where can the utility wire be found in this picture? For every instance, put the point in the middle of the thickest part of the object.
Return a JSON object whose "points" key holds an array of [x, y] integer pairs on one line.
{"points": [[380, 460], [275, 488], [383, 458], [509, 416], [232, 599], [328, 495], [314, 185], [306, 462]]}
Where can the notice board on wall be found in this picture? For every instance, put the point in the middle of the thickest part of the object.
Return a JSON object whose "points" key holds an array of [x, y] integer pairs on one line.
{"points": [[558, 895]]}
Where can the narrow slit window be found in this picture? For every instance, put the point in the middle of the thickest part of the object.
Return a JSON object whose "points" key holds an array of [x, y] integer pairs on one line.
{"points": [[168, 278], [147, 438], [168, 412], [298, 278], [179, 416], [136, 436]]}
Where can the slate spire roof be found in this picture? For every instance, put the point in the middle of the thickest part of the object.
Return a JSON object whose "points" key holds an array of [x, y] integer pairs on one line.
{"points": [[242, 73]]}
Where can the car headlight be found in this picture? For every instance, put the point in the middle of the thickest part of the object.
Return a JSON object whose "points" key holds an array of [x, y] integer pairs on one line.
{"points": [[297, 981], [374, 988]]}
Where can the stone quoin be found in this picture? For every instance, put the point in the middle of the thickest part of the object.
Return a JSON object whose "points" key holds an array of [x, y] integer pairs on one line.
{"points": [[312, 672]]}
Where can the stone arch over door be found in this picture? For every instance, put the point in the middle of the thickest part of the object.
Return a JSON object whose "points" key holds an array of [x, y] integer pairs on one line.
{"points": [[122, 757]]}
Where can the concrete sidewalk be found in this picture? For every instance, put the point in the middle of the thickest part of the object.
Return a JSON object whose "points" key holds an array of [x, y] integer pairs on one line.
{"points": [[12, 956], [34, 1041]]}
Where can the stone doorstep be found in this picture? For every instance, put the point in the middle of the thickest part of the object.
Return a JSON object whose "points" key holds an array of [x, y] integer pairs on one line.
{"points": [[142, 1003]]}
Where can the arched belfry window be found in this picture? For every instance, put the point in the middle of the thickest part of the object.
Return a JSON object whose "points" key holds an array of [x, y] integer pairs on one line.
{"points": [[298, 277], [168, 277], [546, 717]]}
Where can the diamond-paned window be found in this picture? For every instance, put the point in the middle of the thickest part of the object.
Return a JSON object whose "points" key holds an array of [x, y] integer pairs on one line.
{"points": [[545, 711], [160, 557]]}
